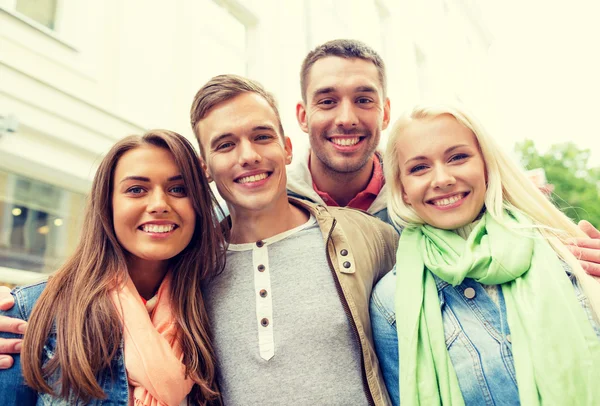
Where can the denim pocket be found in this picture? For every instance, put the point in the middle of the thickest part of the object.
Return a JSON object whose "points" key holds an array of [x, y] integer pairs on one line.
{"points": [[451, 325]]}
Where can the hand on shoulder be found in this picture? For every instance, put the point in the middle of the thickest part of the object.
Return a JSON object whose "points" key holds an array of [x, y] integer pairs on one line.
{"points": [[587, 250], [9, 325]]}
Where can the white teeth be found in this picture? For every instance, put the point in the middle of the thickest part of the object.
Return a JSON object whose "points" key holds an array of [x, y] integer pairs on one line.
{"points": [[449, 200], [253, 178], [158, 228], [345, 141]]}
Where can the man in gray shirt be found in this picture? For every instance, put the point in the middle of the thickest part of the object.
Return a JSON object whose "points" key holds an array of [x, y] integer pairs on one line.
{"points": [[290, 311]]}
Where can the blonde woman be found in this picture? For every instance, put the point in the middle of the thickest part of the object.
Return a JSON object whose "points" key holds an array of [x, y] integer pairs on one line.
{"points": [[487, 306]]}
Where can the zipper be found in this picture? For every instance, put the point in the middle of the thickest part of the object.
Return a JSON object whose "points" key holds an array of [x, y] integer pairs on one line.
{"points": [[340, 292]]}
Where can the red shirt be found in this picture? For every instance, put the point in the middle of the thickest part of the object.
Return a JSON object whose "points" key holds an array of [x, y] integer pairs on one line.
{"points": [[364, 199]]}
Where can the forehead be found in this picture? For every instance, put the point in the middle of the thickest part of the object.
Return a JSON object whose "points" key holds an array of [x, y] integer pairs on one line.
{"points": [[342, 73], [146, 159], [430, 136], [237, 116]]}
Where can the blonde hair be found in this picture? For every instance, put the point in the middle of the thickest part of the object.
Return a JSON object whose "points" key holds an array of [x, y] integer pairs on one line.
{"points": [[508, 188]]}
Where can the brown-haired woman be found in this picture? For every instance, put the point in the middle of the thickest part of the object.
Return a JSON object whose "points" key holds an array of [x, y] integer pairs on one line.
{"points": [[123, 319]]}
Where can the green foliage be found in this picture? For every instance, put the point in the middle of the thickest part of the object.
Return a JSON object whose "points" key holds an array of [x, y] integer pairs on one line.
{"points": [[576, 186]]}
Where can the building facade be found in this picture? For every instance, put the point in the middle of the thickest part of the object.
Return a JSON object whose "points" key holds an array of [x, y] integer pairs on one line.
{"points": [[77, 75]]}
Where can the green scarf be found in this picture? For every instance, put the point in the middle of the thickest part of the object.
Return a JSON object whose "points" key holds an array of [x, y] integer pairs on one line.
{"points": [[556, 353]]}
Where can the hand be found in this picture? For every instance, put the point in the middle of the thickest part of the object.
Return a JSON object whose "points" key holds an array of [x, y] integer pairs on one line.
{"points": [[587, 250], [9, 325]]}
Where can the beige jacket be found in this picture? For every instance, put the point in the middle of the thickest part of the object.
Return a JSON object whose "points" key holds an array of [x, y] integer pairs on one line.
{"points": [[361, 249]]}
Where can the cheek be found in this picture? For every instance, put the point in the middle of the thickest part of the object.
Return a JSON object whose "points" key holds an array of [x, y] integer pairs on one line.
{"points": [[188, 216], [407, 191]]}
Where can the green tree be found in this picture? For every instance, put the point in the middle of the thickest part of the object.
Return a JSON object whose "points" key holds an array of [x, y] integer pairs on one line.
{"points": [[576, 185]]}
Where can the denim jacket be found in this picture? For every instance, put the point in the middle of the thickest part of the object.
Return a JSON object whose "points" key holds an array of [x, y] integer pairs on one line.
{"points": [[477, 338], [14, 391]]}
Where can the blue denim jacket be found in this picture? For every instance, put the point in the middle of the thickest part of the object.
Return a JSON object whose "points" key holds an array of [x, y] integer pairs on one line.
{"points": [[477, 338], [13, 389]]}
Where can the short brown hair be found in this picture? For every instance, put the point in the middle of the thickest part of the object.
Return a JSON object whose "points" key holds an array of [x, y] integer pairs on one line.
{"points": [[223, 88], [342, 48]]}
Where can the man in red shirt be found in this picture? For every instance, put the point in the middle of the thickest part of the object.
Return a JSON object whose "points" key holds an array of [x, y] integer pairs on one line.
{"points": [[343, 110]]}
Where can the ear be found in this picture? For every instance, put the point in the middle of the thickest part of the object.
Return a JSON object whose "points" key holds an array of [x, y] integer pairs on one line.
{"points": [[386, 113], [301, 116], [206, 172], [288, 150]]}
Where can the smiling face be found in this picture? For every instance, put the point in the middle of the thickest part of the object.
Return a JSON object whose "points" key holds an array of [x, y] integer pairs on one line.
{"points": [[153, 216], [344, 113], [244, 153], [442, 171]]}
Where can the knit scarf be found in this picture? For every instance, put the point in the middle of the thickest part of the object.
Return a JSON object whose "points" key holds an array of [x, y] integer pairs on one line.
{"points": [[153, 354], [556, 353]]}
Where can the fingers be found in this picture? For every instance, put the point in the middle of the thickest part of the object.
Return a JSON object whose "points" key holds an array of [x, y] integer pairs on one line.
{"points": [[7, 301], [10, 325], [589, 258], [581, 242], [6, 361], [591, 268], [589, 229], [10, 346]]}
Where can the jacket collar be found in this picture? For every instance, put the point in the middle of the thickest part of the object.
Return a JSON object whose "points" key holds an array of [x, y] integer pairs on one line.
{"points": [[340, 253], [299, 181]]}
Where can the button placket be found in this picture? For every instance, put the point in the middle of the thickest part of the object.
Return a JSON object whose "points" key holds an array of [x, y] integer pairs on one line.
{"points": [[264, 304]]}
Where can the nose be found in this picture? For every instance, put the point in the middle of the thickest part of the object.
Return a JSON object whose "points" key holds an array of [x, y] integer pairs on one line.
{"points": [[248, 155], [442, 178], [346, 116], [157, 202]]}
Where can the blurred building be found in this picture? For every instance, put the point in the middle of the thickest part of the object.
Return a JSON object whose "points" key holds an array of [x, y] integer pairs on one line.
{"points": [[76, 75]]}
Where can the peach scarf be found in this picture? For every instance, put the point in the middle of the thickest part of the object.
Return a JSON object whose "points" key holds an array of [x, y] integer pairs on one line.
{"points": [[153, 355]]}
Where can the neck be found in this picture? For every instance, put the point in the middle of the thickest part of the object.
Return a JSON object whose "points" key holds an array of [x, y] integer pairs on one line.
{"points": [[341, 186], [254, 225], [146, 275]]}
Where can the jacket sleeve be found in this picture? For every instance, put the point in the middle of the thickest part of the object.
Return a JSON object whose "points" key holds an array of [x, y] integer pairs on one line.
{"points": [[14, 391], [390, 240]]}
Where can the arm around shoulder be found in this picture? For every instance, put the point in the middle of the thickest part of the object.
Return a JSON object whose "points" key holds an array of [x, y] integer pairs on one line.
{"points": [[14, 390]]}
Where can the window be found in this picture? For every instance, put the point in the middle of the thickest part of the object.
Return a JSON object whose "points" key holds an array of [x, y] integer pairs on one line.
{"points": [[42, 11], [39, 223]]}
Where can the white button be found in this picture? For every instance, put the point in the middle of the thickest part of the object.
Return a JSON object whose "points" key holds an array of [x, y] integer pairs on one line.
{"points": [[469, 293]]}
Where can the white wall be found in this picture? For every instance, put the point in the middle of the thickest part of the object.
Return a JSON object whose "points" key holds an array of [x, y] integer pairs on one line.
{"points": [[118, 67]]}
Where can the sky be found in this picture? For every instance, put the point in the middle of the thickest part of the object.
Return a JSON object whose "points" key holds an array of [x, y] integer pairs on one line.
{"points": [[545, 60]]}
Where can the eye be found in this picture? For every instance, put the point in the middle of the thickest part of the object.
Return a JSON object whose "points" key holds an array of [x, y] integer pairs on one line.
{"points": [[417, 168], [224, 145], [135, 190], [263, 137], [364, 100], [326, 102], [179, 190], [458, 157]]}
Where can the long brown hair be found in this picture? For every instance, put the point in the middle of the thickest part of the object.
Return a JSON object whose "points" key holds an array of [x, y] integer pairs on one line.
{"points": [[77, 302]]}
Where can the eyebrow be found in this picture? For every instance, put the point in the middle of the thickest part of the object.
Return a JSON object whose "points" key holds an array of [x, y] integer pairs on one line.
{"points": [[365, 89], [331, 89], [418, 158], [219, 138], [145, 179]]}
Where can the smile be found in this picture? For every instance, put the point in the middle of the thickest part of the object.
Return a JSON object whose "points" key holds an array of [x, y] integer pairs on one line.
{"points": [[345, 142], [447, 201], [157, 228], [253, 178]]}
